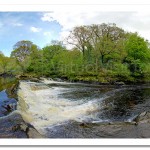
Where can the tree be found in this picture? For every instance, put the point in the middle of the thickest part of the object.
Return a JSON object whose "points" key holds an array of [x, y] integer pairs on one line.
{"points": [[22, 51], [36, 63], [79, 37], [138, 54], [49, 52], [4, 62], [98, 40], [69, 62], [107, 39], [53, 49]]}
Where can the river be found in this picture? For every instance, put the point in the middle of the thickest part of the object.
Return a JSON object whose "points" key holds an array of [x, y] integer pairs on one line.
{"points": [[53, 107], [7, 104], [63, 109]]}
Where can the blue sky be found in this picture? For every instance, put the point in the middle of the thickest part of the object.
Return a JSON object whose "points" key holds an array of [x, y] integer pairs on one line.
{"points": [[16, 26], [42, 27]]}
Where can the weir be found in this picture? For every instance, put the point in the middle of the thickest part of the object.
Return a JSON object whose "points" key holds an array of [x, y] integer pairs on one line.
{"points": [[48, 104], [40, 106]]}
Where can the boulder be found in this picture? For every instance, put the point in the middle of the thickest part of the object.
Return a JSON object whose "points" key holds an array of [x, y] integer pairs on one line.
{"points": [[33, 133], [143, 117]]}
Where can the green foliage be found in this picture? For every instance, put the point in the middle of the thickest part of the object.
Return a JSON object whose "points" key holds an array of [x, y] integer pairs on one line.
{"points": [[22, 51], [146, 72], [46, 62], [138, 54], [101, 53], [137, 48], [121, 72], [4, 63], [36, 63]]}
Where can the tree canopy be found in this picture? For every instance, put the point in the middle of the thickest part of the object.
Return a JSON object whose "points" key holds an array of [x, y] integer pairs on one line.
{"points": [[101, 52], [22, 51]]}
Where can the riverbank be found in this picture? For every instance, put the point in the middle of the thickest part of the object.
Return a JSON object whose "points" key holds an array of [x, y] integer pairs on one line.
{"points": [[89, 82]]}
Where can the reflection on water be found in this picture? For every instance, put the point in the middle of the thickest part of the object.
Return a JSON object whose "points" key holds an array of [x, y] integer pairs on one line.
{"points": [[7, 104], [6, 82]]}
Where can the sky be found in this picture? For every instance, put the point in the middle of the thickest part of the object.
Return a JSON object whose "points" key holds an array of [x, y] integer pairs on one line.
{"points": [[42, 27]]}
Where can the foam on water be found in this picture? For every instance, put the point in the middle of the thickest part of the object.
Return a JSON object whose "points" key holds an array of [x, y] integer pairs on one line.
{"points": [[42, 107]]}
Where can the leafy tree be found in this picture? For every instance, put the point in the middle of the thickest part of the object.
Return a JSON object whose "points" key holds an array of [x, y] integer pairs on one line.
{"points": [[22, 51], [49, 54], [80, 37], [107, 39], [70, 63], [36, 63], [50, 51], [99, 41], [138, 54], [4, 63]]}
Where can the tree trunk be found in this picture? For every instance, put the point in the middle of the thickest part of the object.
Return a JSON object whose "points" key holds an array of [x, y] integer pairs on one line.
{"points": [[102, 59]]}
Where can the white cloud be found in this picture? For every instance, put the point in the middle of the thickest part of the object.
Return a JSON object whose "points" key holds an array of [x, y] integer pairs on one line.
{"points": [[47, 33], [66, 19], [34, 29], [47, 17], [130, 21], [17, 24]]}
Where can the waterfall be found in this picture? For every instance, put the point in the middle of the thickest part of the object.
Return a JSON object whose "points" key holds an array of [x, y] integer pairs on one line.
{"points": [[40, 106]]}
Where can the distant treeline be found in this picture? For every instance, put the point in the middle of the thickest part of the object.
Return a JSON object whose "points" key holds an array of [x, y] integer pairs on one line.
{"points": [[103, 53]]}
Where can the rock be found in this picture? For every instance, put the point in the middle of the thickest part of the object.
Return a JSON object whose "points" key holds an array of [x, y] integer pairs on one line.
{"points": [[119, 83], [16, 127], [13, 126], [12, 91], [8, 107], [34, 80], [33, 133], [142, 114], [27, 77], [58, 80], [84, 125], [145, 116], [113, 130], [103, 130], [30, 131], [23, 127], [10, 128]]}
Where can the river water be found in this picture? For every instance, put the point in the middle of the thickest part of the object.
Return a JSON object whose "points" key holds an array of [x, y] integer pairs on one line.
{"points": [[49, 104], [7, 104]]}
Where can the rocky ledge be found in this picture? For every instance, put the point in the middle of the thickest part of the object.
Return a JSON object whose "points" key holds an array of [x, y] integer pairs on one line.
{"points": [[137, 128], [13, 126]]}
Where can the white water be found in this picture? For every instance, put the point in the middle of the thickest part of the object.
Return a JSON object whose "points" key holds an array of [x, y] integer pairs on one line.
{"points": [[40, 106]]}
